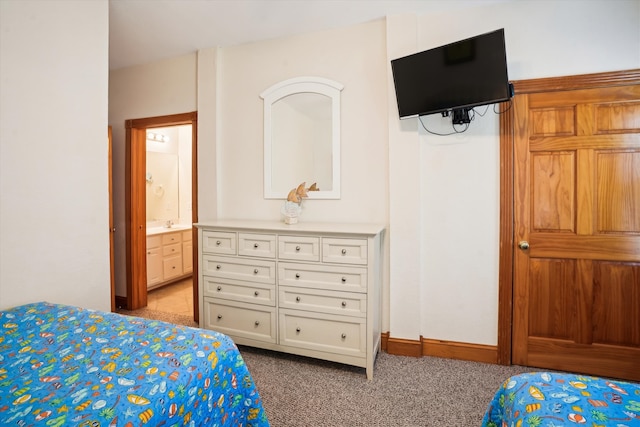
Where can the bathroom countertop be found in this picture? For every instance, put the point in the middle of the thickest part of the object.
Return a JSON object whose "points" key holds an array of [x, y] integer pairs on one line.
{"points": [[151, 231]]}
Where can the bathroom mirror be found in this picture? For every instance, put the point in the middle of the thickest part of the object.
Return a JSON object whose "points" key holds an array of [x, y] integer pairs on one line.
{"points": [[302, 137], [162, 186], [168, 174]]}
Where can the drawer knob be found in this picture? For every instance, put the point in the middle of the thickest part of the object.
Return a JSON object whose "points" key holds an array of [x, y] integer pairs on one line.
{"points": [[256, 293], [255, 245], [297, 299], [344, 303], [297, 275], [218, 267], [298, 330], [219, 288], [257, 323], [344, 336], [255, 271], [344, 280], [297, 248], [174, 267], [218, 242], [219, 316], [344, 252]]}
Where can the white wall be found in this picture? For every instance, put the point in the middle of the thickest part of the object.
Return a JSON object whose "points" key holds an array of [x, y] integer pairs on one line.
{"points": [[354, 57], [456, 277], [440, 196], [158, 89], [54, 240]]}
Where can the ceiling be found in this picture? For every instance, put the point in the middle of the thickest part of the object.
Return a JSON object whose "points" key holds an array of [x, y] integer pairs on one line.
{"points": [[143, 31]]}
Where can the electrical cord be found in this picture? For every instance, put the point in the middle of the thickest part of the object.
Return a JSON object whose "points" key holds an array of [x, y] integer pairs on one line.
{"points": [[471, 118]]}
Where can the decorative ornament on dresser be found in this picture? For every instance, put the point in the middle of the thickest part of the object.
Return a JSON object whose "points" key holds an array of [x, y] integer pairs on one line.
{"points": [[293, 206]]}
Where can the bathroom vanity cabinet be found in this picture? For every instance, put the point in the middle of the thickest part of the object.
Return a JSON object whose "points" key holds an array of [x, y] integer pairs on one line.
{"points": [[311, 289], [169, 256]]}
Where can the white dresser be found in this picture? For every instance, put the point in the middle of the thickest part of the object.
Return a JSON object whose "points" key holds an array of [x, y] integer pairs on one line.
{"points": [[311, 289]]}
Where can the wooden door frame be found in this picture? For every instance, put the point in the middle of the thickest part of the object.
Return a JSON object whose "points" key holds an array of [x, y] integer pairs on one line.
{"points": [[112, 230], [507, 139], [135, 202]]}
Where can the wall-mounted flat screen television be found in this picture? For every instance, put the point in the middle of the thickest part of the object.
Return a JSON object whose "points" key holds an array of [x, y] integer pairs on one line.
{"points": [[459, 75]]}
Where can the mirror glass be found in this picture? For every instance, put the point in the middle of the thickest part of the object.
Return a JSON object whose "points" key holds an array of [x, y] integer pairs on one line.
{"points": [[301, 125], [302, 137], [162, 186], [168, 175]]}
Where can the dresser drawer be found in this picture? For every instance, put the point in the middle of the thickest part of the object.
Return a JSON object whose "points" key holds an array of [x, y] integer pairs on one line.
{"points": [[344, 251], [256, 322], [172, 249], [258, 245], [169, 238], [255, 293], [187, 235], [330, 277], [321, 301], [252, 270], [219, 242], [314, 331], [299, 248]]}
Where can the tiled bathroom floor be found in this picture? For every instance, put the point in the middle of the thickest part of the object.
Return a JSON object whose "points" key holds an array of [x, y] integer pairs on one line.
{"points": [[174, 298]]}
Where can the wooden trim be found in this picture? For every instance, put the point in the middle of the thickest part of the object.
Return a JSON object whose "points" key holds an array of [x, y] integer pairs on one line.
{"points": [[460, 351], [127, 215], [135, 213], [135, 202], [404, 347], [583, 81], [439, 348], [505, 271], [384, 339], [164, 121], [194, 213], [507, 126], [112, 272]]}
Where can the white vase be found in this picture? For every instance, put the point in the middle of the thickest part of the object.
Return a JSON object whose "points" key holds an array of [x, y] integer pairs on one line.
{"points": [[291, 212]]}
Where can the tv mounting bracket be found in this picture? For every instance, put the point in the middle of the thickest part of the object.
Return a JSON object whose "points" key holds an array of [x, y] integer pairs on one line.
{"points": [[460, 116]]}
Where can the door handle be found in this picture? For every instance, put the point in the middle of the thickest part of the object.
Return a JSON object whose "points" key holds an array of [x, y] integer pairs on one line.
{"points": [[523, 244]]}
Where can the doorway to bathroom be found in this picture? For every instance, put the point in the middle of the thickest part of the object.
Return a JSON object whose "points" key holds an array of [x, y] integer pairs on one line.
{"points": [[161, 207]]}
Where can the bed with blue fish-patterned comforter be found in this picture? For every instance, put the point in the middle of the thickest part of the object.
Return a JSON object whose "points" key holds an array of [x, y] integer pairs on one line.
{"points": [[68, 366], [555, 399]]}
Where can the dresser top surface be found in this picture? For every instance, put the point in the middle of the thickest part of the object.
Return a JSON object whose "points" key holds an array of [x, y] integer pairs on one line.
{"points": [[307, 227]]}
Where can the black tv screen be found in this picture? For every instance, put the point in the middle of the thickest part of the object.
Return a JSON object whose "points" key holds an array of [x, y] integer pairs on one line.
{"points": [[463, 74]]}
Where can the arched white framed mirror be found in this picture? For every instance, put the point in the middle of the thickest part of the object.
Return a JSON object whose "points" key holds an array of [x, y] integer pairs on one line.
{"points": [[302, 137]]}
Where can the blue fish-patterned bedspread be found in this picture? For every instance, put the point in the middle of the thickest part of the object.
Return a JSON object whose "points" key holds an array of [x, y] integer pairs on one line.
{"points": [[548, 399], [68, 366]]}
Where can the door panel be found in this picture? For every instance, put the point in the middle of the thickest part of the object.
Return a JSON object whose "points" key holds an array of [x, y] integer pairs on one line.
{"points": [[577, 205]]}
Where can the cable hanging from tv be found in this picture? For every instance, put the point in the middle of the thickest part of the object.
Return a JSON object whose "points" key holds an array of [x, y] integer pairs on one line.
{"points": [[463, 117]]}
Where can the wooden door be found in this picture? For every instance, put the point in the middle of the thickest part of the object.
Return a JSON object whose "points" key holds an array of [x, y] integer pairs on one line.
{"points": [[112, 228], [136, 215], [577, 230]]}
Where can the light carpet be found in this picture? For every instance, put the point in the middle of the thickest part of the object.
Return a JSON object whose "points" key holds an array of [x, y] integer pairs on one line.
{"points": [[405, 391]]}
